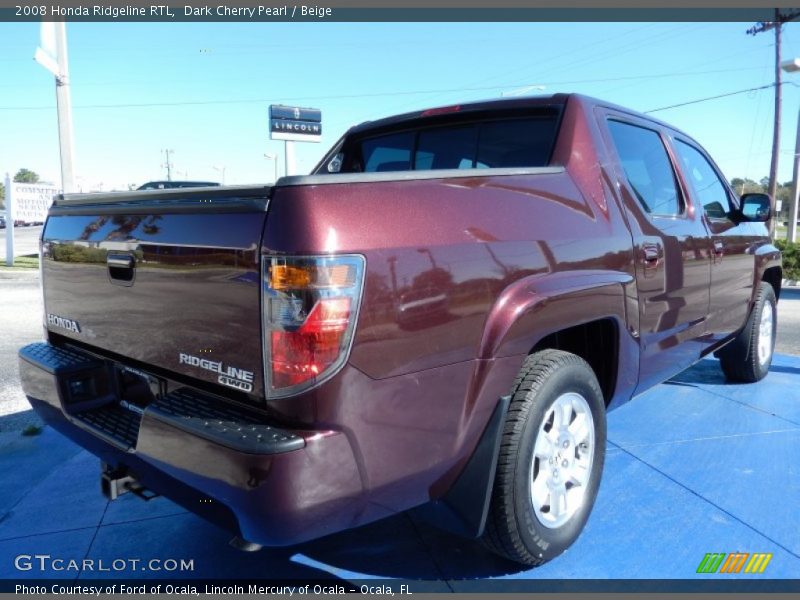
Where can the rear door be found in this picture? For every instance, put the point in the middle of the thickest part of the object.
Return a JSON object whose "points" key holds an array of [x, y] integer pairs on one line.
{"points": [[670, 245], [733, 265]]}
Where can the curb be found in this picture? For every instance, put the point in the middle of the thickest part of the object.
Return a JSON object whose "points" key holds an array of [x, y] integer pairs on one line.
{"points": [[19, 274]]}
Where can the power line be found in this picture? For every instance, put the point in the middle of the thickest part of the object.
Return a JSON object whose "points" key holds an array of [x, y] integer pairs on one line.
{"points": [[727, 58], [374, 95], [753, 89], [762, 130], [559, 55], [138, 83], [777, 26]]}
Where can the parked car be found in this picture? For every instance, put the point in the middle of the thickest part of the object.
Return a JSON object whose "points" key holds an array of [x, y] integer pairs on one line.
{"points": [[2, 222], [169, 185], [438, 318]]}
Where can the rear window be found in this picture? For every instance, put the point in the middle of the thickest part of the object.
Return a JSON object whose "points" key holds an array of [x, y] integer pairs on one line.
{"points": [[516, 142]]}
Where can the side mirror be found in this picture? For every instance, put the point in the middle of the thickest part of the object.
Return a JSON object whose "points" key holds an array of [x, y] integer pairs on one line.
{"points": [[756, 207]]}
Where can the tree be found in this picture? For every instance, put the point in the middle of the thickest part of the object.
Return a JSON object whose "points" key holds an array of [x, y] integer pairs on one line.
{"points": [[26, 176], [2, 195], [746, 185], [783, 191]]}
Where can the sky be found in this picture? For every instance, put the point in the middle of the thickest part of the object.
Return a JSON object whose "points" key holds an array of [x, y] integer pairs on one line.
{"points": [[203, 90]]}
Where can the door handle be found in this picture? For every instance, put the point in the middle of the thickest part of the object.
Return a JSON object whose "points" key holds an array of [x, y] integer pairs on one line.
{"points": [[651, 254]]}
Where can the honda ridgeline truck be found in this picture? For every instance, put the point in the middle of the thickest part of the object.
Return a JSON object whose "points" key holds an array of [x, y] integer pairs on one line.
{"points": [[438, 318]]}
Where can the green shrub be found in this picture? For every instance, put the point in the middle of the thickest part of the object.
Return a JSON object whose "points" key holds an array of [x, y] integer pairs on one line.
{"points": [[791, 258]]}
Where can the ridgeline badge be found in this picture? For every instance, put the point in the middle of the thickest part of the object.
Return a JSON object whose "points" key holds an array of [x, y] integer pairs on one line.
{"points": [[230, 376]]}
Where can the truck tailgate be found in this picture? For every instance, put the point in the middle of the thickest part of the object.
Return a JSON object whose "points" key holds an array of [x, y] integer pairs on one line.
{"points": [[168, 278]]}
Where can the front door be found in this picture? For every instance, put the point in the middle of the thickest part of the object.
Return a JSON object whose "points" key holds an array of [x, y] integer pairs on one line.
{"points": [[733, 264]]}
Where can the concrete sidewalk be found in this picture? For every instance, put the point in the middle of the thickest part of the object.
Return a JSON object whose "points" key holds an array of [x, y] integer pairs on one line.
{"points": [[696, 465]]}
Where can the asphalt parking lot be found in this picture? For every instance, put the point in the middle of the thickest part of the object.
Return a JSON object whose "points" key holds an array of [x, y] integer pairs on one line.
{"points": [[695, 465], [26, 241]]}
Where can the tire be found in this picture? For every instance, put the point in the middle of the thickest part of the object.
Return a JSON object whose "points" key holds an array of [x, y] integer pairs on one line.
{"points": [[521, 525], [748, 357]]}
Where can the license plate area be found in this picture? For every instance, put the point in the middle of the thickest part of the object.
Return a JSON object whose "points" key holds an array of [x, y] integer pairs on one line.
{"points": [[136, 389]]}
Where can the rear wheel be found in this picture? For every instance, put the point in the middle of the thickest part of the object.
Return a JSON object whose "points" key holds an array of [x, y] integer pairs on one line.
{"points": [[551, 459], [748, 357]]}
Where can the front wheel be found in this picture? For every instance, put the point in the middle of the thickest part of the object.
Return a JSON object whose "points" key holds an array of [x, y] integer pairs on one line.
{"points": [[748, 357], [551, 459]]}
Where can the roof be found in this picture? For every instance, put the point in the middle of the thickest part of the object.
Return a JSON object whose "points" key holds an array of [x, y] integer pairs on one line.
{"points": [[503, 104], [465, 108]]}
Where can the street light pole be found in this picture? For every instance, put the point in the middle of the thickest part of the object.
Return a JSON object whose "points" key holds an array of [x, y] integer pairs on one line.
{"points": [[274, 159], [222, 171], [791, 230], [168, 164], [792, 66]]}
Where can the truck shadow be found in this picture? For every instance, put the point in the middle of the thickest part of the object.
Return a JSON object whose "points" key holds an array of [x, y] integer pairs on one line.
{"points": [[708, 372], [405, 548]]}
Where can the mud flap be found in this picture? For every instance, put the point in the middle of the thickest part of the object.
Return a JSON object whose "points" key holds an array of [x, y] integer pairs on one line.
{"points": [[464, 508]]}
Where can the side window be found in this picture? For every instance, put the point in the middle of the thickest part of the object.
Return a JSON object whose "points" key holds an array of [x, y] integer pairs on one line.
{"points": [[388, 153], [647, 167], [516, 143], [446, 148], [513, 142], [707, 189]]}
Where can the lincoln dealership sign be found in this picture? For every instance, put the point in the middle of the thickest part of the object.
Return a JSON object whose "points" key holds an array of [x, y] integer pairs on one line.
{"points": [[293, 123]]}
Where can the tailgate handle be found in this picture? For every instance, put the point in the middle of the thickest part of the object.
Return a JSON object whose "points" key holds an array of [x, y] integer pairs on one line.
{"points": [[120, 261], [120, 268]]}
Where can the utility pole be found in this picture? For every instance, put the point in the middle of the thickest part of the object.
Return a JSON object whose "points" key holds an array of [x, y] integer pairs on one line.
{"points": [[168, 164], [776, 26]]}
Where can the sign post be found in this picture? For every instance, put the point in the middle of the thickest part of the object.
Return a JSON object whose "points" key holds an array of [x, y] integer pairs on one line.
{"points": [[288, 157], [294, 124], [9, 224], [52, 55]]}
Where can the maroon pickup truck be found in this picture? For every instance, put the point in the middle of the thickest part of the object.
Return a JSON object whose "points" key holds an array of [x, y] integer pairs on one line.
{"points": [[438, 318]]}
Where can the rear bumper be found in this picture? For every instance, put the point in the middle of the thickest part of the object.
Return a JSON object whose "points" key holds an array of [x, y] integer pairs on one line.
{"points": [[228, 464]]}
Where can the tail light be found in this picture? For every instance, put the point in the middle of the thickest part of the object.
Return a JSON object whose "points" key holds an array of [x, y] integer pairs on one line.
{"points": [[310, 310]]}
